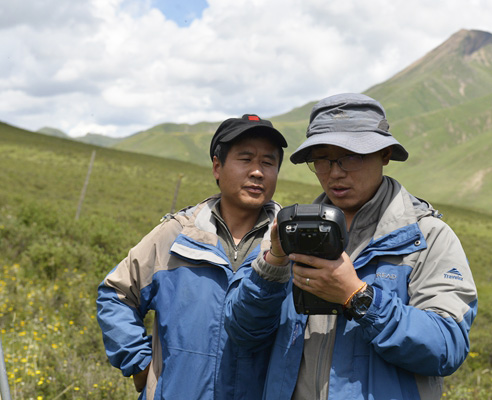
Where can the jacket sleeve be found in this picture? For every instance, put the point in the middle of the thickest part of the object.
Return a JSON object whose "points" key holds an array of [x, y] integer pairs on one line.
{"points": [[253, 311], [125, 297], [427, 334]]}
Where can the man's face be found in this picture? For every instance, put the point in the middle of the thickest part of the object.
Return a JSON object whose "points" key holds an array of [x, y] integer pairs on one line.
{"points": [[350, 190], [248, 177]]}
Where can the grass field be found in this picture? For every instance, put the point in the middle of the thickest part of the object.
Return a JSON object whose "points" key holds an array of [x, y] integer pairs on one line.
{"points": [[51, 264]]}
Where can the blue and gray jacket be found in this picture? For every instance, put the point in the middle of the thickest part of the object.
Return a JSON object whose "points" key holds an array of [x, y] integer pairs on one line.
{"points": [[415, 332], [181, 271]]}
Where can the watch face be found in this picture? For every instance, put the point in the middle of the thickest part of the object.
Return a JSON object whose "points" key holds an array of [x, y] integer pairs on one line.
{"points": [[361, 302]]}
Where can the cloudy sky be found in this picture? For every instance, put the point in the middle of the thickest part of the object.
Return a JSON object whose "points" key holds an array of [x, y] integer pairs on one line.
{"points": [[116, 67]]}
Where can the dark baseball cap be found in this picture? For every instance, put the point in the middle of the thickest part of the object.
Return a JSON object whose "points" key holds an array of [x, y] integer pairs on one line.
{"points": [[353, 121], [232, 128]]}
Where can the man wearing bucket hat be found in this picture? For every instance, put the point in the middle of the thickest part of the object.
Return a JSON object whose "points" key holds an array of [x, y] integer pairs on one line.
{"points": [[185, 270], [407, 291]]}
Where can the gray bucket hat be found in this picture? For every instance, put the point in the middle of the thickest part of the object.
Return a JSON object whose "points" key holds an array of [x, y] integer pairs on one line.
{"points": [[352, 121]]}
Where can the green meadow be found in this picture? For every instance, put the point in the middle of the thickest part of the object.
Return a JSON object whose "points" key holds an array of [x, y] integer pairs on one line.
{"points": [[51, 263]]}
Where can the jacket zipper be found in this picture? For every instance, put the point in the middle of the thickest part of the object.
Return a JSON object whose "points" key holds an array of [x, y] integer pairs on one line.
{"points": [[251, 232]]}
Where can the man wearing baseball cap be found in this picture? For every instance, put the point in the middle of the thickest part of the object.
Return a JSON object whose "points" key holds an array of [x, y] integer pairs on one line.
{"points": [[187, 268], [404, 283]]}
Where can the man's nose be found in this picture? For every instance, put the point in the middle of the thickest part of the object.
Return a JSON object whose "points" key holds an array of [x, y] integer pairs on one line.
{"points": [[336, 171], [256, 172]]}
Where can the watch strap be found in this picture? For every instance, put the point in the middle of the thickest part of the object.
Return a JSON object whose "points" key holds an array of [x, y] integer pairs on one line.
{"points": [[360, 303]]}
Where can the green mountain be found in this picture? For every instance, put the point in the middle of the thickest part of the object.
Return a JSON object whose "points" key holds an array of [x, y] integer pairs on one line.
{"points": [[438, 107], [175, 141], [52, 132], [98, 140], [90, 138], [457, 71]]}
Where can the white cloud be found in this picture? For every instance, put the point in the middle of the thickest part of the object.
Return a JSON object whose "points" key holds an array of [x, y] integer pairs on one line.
{"points": [[119, 66]]}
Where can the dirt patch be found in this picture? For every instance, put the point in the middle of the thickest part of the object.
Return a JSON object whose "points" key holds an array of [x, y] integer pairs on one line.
{"points": [[476, 182]]}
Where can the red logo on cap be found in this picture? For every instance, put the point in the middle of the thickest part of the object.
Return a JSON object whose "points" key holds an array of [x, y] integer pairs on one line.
{"points": [[253, 118]]}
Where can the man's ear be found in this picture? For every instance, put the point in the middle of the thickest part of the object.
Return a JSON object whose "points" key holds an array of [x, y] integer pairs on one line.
{"points": [[386, 154], [216, 166]]}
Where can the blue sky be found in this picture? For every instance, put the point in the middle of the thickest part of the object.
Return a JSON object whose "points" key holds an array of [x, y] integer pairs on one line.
{"points": [[183, 12], [116, 67]]}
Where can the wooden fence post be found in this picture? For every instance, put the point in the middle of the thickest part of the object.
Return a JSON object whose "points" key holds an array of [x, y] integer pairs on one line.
{"points": [[4, 382], [180, 176], [86, 183]]}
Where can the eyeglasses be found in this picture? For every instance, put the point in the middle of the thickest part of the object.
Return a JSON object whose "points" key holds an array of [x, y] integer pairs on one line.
{"points": [[352, 162]]}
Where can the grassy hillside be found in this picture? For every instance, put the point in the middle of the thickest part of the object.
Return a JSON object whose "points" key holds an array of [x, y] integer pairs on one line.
{"points": [[191, 142], [52, 132], [53, 170], [439, 108], [454, 73], [98, 140], [174, 141], [449, 154], [51, 264]]}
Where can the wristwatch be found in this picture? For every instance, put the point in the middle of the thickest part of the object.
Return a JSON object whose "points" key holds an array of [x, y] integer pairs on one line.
{"points": [[360, 303]]}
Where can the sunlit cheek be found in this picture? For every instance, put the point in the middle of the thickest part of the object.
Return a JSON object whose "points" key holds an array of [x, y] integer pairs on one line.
{"points": [[323, 180]]}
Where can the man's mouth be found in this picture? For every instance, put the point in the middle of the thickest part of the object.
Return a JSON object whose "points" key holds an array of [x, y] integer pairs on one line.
{"points": [[254, 189], [339, 191]]}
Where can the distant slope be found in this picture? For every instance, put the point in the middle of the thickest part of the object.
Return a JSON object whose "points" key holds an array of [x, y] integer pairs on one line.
{"points": [[52, 132], [440, 108], [42, 168], [450, 161], [174, 141], [89, 138], [454, 73], [98, 140]]}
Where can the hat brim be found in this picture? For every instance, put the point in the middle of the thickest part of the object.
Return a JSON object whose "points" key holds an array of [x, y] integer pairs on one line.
{"points": [[358, 142]]}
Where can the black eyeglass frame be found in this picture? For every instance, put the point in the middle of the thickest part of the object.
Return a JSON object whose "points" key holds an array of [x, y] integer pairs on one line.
{"points": [[339, 161]]}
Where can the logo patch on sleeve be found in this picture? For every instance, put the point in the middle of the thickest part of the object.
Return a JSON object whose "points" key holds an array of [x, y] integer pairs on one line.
{"points": [[453, 273]]}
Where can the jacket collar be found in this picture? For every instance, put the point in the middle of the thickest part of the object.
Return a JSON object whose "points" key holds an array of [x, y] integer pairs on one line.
{"points": [[389, 214], [199, 226], [202, 216]]}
